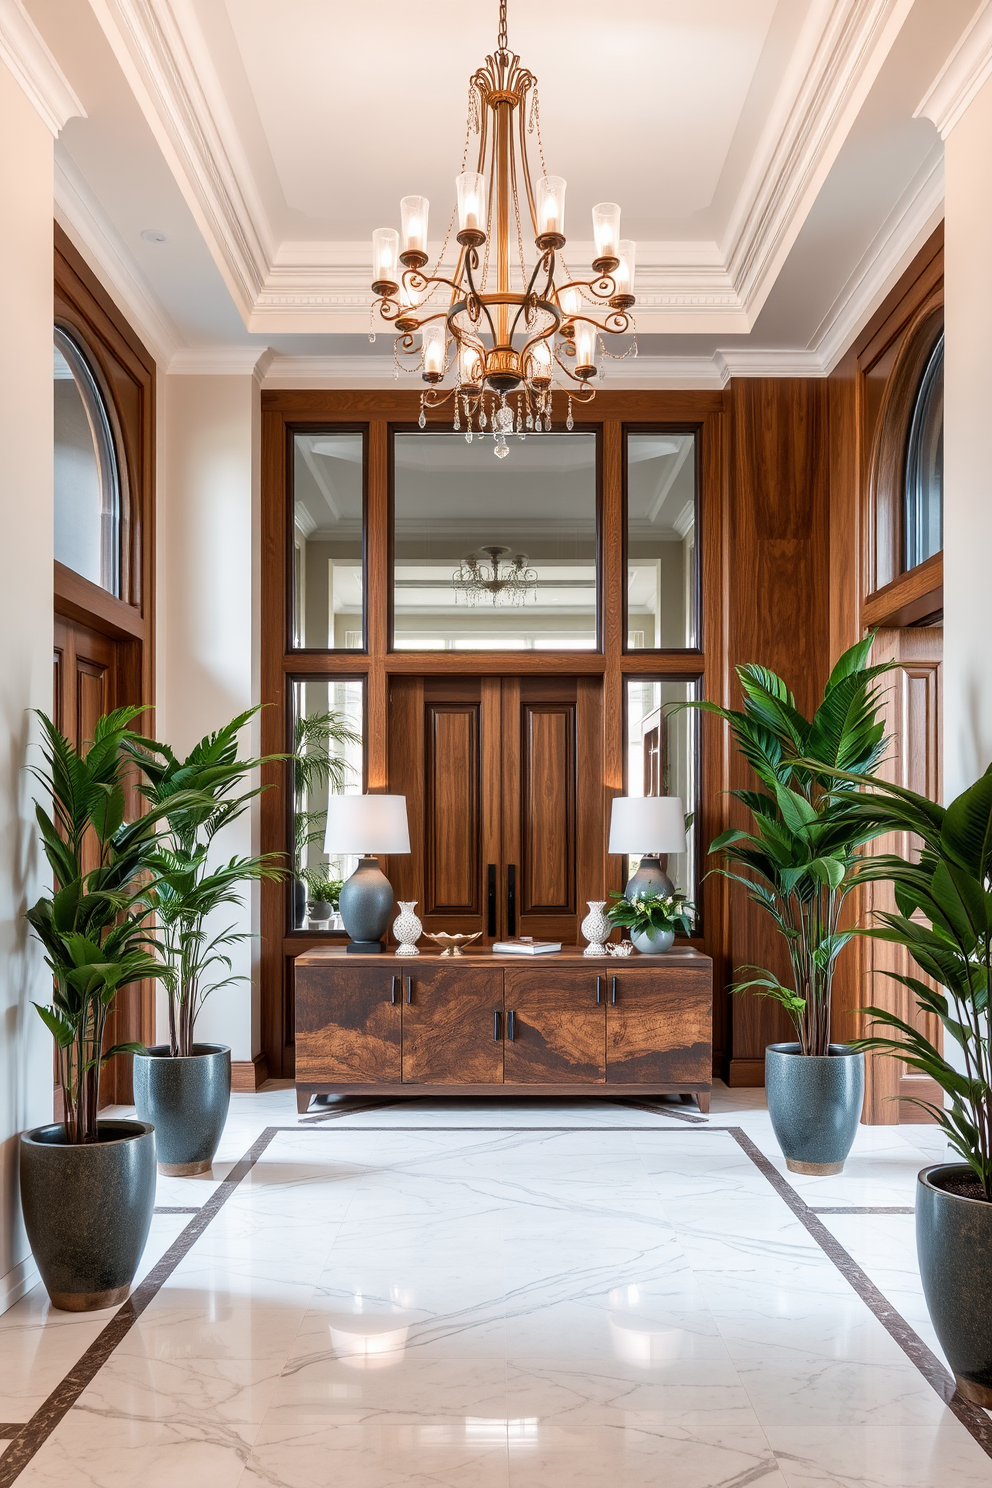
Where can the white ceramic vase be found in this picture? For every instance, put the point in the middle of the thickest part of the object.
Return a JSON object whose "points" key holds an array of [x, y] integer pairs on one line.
{"points": [[407, 928], [596, 928]]}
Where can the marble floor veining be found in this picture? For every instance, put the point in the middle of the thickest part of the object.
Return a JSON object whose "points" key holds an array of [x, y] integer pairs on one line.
{"points": [[459, 1295]]}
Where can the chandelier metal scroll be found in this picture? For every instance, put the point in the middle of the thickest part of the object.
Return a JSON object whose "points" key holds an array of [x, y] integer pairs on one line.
{"points": [[509, 334]]}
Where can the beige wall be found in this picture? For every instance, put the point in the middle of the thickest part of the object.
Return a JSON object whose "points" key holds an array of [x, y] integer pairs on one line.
{"points": [[207, 652], [967, 460], [26, 546]]}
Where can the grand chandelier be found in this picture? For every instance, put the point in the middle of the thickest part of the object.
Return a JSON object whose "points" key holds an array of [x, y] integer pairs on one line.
{"points": [[499, 337], [495, 574]]}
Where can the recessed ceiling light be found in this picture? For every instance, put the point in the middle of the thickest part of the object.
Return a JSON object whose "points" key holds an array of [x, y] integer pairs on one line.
{"points": [[154, 235]]}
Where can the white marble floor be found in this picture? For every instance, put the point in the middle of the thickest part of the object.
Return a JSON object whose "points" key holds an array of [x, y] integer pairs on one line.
{"points": [[485, 1295]]}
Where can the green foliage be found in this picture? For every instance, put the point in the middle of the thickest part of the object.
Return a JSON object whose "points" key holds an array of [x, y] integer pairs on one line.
{"points": [[325, 890], [647, 912], [95, 926], [197, 797], [317, 765], [798, 861]]}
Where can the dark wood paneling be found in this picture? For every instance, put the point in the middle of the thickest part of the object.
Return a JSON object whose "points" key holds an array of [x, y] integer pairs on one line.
{"points": [[351, 1028], [547, 828], [449, 1024], [658, 1029], [558, 1028], [452, 809]]}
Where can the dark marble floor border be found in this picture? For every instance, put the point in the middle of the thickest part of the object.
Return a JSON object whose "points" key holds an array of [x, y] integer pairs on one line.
{"points": [[861, 1209], [177, 1209], [28, 1437]]}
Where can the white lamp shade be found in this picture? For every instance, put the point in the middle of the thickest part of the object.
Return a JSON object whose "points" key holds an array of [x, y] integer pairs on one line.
{"points": [[366, 824], [647, 824]]}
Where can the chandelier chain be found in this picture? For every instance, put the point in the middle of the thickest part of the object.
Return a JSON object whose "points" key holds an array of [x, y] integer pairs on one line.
{"points": [[501, 41]]}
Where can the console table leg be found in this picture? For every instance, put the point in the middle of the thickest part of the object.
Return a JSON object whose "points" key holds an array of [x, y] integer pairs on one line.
{"points": [[302, 1101], [703, 1101]]}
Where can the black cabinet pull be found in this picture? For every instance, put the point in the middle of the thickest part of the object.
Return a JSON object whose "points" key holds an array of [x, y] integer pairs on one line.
{"points": [[409, 988], [511, 899], [491, 900], [496, 1025], [613, 989], [392, 990], [510, 1022], [599, 990]]}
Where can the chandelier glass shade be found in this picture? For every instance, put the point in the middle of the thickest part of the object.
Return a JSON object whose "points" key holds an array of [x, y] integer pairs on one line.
{"points": [[509, 325], [494, 574]]}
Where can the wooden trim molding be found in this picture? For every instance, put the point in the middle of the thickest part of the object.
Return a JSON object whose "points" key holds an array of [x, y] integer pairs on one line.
{"points": [[911, 598], [248, 1075]]}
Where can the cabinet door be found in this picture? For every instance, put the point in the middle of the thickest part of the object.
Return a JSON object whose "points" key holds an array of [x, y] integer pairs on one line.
{"points": [[555, 1025], [659, 1026], [347, 1025], [450, 1028]]}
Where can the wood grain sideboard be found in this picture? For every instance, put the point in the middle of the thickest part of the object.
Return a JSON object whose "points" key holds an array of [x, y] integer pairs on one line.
{"points": [[565, 1024]]}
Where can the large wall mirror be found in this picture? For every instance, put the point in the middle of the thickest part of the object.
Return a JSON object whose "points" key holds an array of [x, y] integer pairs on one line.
{"points": [[662, 552], [328, 542]]}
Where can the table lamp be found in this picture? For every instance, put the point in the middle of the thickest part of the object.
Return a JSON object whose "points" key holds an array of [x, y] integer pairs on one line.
{"points": [[366, 825], [648, 825]]}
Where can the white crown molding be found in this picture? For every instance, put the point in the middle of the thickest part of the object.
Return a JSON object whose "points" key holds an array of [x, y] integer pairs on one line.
{"points": [[966, 70], [220, 361], [23, 49], [90, 231], [757, 361]]}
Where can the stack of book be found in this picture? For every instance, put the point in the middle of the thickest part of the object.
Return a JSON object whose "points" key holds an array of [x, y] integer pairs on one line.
{"points": [[526, 945]]}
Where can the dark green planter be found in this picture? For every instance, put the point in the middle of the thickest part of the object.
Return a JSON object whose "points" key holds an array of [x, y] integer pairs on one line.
{"points": [[87, 1210], [954, 1246], [186, 1100], [815, 1104]]}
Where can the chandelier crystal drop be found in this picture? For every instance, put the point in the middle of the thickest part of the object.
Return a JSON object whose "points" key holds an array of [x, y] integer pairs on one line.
{"points": [[494, 574], [507, 327]]}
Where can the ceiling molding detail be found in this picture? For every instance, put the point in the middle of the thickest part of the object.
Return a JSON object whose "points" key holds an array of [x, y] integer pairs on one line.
{"points": [[682, 287], [221, 361], [25, 53], [966, 70]]}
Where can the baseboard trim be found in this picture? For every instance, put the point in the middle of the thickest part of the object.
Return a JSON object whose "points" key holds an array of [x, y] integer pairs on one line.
{"points": [[249, 1074], [20, 1279], [745, 1073]]}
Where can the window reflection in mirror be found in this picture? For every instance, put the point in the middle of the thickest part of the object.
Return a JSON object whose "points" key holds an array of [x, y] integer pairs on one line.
{"points": [[662, 577], [923, 510], [328, 738], [663, 758], [328, 587], [87, 480], [494, 554]]}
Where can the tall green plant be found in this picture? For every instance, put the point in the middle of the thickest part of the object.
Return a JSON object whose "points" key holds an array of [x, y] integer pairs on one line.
{"points": [[317, 736], [798, 862], [95, 927], [197, 797], [944, 920]]}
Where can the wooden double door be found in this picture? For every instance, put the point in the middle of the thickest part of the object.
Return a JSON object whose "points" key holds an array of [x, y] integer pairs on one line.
{"points": [[504, 784]]}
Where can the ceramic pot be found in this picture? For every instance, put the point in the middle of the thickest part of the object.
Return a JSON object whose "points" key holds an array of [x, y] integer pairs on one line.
{"points": [[814, 1101], [596, 928], [300, 892], [407, 928], [186, 1100], [954, 1246], [653, 942], [321, 909], [87, 1210]]}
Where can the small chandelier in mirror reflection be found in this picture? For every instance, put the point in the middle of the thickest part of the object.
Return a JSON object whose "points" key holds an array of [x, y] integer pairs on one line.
{"points": [[498, 336], [495, 575]]}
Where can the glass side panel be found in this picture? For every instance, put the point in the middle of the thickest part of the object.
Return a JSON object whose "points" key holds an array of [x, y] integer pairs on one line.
{"points": [[662, 563], [924, 498], [87, 484], [663, 758], [494, 554], [329, 731], [328, 588]]}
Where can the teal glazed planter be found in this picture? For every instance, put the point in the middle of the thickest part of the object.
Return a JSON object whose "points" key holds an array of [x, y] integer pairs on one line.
{"points": [[653, 942], [954, 1246], [87, 1210], [186, 1100], [814, 1101]]}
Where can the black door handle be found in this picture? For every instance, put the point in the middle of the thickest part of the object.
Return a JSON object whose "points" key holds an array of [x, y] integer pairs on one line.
{"points": [[496, 1025], [409, 987], [491, 900], [392, 990], [599, 990], [510, 1022], [613, 989], [511, 899]]}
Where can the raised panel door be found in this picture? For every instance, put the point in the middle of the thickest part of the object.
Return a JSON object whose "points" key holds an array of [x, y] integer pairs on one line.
{"points": [[452, 1016], [348, 1025], [555, 1025], [658, 1027]]}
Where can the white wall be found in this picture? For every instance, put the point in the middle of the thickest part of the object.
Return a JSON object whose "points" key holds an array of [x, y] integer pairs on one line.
{"points": [[26, 546], [207, 649], [967, 456]]}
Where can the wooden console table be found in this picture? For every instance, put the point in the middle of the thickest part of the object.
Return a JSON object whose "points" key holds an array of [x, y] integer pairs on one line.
{"points": [[564, 1024]]}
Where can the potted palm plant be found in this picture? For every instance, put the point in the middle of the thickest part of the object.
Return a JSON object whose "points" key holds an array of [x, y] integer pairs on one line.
{"points": [[184, 1087], [317, 765], [652, 919], [88, 1185], [798, 863], [944, 920]]}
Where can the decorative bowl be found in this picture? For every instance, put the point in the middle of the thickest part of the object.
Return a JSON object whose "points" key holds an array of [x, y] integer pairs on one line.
{"points": [[619, 948], [452, 944]]}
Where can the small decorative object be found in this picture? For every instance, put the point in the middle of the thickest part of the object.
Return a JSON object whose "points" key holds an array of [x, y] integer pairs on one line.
{"points": [[452, 944], [652, 919], [596, 928], [407, 928], [647, 826], [366, 825], [619, 948]]}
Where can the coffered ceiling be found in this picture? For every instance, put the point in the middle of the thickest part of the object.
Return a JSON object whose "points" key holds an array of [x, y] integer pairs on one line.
{"points": [[765, 153]]}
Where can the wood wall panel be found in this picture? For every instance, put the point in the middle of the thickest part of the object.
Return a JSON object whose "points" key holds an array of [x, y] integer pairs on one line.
{"points": [[547, 827], [452, 809]]}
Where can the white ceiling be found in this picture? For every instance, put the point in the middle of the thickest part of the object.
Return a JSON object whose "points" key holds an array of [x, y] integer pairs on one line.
{"points": [[765, 153]]}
